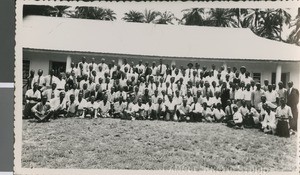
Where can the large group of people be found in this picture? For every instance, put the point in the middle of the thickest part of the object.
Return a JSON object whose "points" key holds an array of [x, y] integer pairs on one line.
{"points": [[159, 91]]}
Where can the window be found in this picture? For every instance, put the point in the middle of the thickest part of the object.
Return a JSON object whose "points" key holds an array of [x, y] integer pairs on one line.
{"points": [[285, 77], [256, 77], [26, 65]]}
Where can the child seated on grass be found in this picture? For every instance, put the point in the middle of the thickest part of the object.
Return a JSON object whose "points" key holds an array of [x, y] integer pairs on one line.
{"points": [[237, 121]]}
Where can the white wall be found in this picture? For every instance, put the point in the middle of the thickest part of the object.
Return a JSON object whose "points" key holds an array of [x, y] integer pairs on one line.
{"points": [[41, 59]]}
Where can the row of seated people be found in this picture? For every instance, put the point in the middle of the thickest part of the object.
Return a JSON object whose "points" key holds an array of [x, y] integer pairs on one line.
{"points": [[269, 118]]}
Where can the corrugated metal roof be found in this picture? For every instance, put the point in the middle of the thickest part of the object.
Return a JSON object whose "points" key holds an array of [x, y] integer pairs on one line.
{"points": [[69, 34]]}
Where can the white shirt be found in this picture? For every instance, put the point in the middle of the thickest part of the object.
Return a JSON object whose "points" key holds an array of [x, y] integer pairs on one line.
{"points": [[104, 108], [30, 93], [271, 96], [237, 117], [247, 95], [82, 104], [218, 113]]}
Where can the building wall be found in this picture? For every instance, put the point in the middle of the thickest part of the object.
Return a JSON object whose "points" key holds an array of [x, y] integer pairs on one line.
{"points": [[41, 60]]}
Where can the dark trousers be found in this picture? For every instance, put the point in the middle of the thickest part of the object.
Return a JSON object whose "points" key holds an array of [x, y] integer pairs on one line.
{"points": [[282, 129], [294, 120], [43, 118], [27, 110]]}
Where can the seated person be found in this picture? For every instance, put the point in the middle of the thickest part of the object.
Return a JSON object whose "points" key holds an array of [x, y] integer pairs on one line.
{"points": [[196, 110], [237, 121], [228, 111], [92, 108], [183, 111], [252, 119], [268, 125], [81, 105], [129, 111], [170, 108], [218, 114], [58, 105], [42, 110], [207, 113], [150, 110], [160, 109], [139, 110], [119, 108], [104, 107], [72, 106], [32, 96]]}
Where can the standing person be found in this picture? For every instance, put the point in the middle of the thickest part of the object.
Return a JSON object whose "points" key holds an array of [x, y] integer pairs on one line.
{"points": [[161, 69], [225, 95], [271, 95], [30, 78], [284, 115], [40, 80], [49, 79], [292, 101], [32, 96], [282, 92], [42, 110], [256, 96], [84, 64]]}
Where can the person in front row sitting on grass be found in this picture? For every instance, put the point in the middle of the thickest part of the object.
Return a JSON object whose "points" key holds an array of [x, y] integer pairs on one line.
{"points": [[129, 111], [207, 113], [170, 108], [119, 107], [42, 110], [160, 109], [268, 125], [81, 105], [283, 115], [72, 106], [139, 110], [58, 105], [228, 111], [92, 108], [252, 119], [218, 114], [237, 121], [104, 107], [183, 111], [32, 96]]}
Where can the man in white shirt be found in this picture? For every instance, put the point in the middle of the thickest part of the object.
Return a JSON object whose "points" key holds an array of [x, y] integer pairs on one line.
{"points": [[237, 121], [84, 64], [196, 110], [104, 107], [93, 65], [49, 79], [161, 69], [218, 113], [72, 106], [40, 80], [268, 125], [32, 96], [58, 105], [183, 111], [82, 104], [103, 65], [51, 93], [283, 115], [271, 95], [170, 108], [92, 108]]}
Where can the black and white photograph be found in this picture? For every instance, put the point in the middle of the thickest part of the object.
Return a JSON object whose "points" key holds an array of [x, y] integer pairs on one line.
{"points": [[156, 86]]}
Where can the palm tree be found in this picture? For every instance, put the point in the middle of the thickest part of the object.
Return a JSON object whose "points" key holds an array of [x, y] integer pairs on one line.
{"points": [[222, 18], [59, 11], [294, 36], [134, 16], [193, 16], [268, 27], [94, 13], [252, 18], [282, 17], [149, 16], [165, 18]]}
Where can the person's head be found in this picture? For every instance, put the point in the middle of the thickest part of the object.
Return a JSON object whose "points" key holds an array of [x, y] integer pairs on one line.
{"points": [[214, 84], [72, 64], [190, 65], [237, 74], [85, 77], [159, 101], [213, 66], [93, 60], [102, 60], [243, 103], [80, 65], [44, 99], [160, 61], [219, 105], [195, 99], [32, 72], [97, 87], [290, 84], [263, 98], [204, 104], [228, 69], [74, 86], [105, 97], [247, 74], [280, 85], [68, 74], [72, 98], [90, 79], [92, 99], [189, 93], [258, 86], [67, 87], [248, 86], [206, 84], [62, 95], [80, 95], [235, 108], [91, 67], [51, 72], [282, 102], [270, 88], [243, 69], [184, 101], [83, 59], [163, 92], [53, 86], [228, 102], [84, 86], [136, 88], [40, 72], [252, 83], [242, 84], [266, 82]]}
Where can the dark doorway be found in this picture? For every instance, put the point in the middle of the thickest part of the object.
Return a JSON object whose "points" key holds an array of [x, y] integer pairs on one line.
{"points": [[58, 67]]}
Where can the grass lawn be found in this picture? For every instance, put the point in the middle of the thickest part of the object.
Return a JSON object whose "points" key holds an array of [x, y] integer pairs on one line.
{"points": [[153, 145]]}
